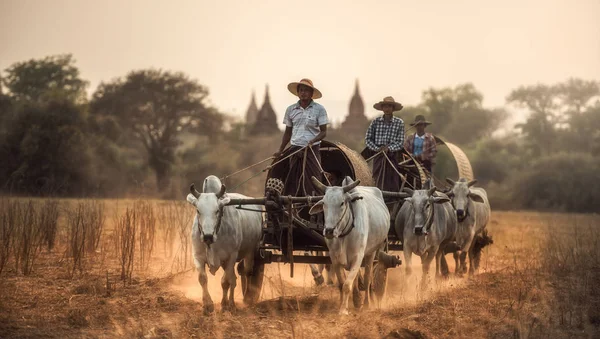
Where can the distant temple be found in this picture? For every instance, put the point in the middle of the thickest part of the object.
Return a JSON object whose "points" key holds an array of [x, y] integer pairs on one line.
{"points": [[356, 122], [266, 119], [252, 111]]}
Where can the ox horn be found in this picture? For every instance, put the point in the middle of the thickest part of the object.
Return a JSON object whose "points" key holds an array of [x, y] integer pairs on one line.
{"points": [[318, 185], [450, 181], [431, 190], [222, 191], [351, 186], [194, 192], [408, 191], [472, 182]]}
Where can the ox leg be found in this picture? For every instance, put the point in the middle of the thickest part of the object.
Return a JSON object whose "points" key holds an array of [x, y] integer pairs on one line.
{"points": [[228, 283], [368, 277], [316, 271], [317, 275], [439, 255], [348, 284], [408, 260], [330, 274], [473, 260], [207, 302], [426, 260]]}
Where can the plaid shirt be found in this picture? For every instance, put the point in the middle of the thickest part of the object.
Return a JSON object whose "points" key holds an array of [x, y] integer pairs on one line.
{"points": [[381, 133], [429, 147]]}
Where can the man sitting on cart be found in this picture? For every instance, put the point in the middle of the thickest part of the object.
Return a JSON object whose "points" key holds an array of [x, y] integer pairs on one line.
{"points": [[385, 136], [306, 125], [421, 145]]}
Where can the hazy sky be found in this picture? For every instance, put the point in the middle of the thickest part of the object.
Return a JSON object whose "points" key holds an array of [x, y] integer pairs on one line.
{"points": [[394, 48]]}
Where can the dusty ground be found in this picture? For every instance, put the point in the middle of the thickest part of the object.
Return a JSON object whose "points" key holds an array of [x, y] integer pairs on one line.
{"points": [[540, 278]]}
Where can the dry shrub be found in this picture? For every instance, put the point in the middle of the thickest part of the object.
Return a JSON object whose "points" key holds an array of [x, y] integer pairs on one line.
{"points": [[78, 232], [125, 240], [48, 219], [8, 220], [147, 231], [571, 256], [28, 237], [95, 221], [180, 219], [167, 228]]}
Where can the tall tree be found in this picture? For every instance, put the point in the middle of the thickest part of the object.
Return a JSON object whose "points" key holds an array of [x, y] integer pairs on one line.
{"points": [[155, 106], [458, 113], [36, 79], [555, 112]]}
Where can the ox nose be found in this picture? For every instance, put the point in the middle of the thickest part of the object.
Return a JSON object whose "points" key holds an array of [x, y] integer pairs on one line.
{"points": [[329, 233], [419, 231], [208, 238], [460, 213]]}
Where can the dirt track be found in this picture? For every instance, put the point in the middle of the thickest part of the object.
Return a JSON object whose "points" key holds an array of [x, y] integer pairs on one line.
{"points": [[513, 296]]}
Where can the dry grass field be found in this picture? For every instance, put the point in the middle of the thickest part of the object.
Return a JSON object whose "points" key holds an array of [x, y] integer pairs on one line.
{"points": [[123, 269]]}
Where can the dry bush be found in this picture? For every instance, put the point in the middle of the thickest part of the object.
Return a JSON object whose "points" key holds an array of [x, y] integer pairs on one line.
{"points": [[167, 228], [78, 233], [125, 240], [177, 219], [8, 220], [182, 217], [28, 237], [571, 257], [95, 221], [147, 231], [48, 219]]}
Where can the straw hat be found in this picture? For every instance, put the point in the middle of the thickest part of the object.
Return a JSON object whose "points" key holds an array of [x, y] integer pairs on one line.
{"points": [[419, 119], [388, 100], [293, 87]]}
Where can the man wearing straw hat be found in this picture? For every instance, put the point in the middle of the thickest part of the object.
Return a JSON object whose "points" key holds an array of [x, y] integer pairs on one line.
{"points": [[385, 136], [306, 125], [421, 145]]}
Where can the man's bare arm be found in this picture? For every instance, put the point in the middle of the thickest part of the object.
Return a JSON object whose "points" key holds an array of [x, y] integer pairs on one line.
{"points": [[287, 136], [322, 134]]}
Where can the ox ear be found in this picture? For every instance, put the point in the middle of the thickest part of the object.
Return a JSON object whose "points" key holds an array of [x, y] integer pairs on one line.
{"points": [[441, 199], [476, 198], [408, 199], [450, 181], [317, 208], [224, 201], [191, 199], [472, 182]]}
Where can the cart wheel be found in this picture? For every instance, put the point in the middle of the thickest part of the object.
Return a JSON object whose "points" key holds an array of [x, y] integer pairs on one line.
{"points": [[252, 284], [379, 283]]}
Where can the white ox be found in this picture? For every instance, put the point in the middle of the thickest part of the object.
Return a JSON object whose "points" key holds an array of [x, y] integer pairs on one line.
{"points": [[473, 213], [222, 235], [356, 228], [427, 223]]}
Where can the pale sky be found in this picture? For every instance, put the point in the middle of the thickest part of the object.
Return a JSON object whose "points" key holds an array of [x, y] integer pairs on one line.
{"points": [[396, 48]]}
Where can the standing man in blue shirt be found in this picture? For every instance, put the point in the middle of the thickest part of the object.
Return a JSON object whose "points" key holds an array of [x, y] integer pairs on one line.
{"points": [[386, 135], [306, 125]]}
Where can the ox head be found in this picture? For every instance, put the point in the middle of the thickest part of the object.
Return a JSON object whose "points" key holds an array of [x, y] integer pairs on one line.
{"points": [[460, 195], [422, 203], [209, 209], [335, 206]]}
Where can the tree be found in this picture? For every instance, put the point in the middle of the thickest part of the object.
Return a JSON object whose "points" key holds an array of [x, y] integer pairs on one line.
{"points": [[155, 106], [556, 114], [45, 149], [36, 79], [458, 114], [43, 142]]}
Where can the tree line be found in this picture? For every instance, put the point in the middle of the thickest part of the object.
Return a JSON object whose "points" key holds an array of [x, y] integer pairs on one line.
{"points": [[151, 132]]}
